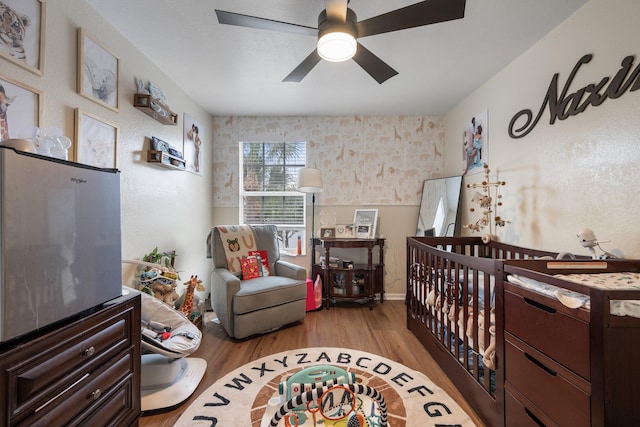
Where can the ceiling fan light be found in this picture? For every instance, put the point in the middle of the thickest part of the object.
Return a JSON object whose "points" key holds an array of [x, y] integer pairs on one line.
{"points": [[337, 46]]}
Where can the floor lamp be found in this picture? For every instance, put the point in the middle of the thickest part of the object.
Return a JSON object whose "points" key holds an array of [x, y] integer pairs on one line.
{"points": [[310, 181]]}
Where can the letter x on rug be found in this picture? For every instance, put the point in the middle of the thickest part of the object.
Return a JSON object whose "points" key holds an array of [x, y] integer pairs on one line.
{"points": [[256, 394]]}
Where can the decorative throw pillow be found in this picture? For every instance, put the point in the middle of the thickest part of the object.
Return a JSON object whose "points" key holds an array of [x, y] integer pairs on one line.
{"points": [[250, 267], [265, 261]]}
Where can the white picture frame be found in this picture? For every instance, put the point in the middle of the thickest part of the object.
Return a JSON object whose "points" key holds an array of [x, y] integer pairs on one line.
{"points": [[344, 231], [365, 223]]}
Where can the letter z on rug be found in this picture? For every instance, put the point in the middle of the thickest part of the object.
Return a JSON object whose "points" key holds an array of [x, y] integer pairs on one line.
{"points": [[248, 395]]}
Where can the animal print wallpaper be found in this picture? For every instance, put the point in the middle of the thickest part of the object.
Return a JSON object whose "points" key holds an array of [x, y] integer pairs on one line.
{"points": [[365, 160]]}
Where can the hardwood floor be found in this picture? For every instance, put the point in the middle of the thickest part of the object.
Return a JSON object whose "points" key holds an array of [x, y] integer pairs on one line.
{"points": [[381, 331]]}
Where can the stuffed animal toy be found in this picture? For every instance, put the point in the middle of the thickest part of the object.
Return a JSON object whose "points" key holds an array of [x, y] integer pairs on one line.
{"points": [[162, 284], [165, 291], [192, 285]]}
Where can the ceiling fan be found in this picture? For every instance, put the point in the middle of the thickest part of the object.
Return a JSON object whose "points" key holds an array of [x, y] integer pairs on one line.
{"points": [[338, 30]]}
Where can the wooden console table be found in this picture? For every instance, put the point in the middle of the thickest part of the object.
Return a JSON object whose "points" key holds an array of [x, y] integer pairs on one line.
{"points": [[355, 282]]}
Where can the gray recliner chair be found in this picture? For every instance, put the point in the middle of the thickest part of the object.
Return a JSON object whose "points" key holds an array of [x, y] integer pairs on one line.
{"points": [[262, 304]]}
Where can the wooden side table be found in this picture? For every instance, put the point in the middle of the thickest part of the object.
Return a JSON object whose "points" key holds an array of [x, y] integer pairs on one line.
{"points": [[355, 282]]}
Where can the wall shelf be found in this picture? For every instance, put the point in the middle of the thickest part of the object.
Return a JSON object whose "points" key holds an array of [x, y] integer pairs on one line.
{"points": [[165, 159], [155, 109]]}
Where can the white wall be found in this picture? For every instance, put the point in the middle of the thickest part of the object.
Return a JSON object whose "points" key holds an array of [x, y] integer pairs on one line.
{"points": [[579, 172], [160, 207]]}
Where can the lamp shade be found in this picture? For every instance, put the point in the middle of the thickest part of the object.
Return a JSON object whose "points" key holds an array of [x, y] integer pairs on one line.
{"points": [[310, 180]]}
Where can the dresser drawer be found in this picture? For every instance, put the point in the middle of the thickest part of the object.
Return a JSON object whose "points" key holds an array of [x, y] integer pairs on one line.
{"points": [[91, 391], [57, 362], [118, 411], [33, 377], [562, 395], [521, 413], [548, 326]]}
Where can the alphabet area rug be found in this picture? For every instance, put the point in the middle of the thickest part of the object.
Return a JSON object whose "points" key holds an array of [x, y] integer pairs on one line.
{"points": [[250, 396]]}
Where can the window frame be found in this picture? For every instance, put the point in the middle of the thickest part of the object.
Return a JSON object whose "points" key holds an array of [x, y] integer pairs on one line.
{"points": [[298, 229]]}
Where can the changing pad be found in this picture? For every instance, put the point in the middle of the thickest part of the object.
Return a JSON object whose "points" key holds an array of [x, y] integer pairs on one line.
{"points": [[623, 280]]}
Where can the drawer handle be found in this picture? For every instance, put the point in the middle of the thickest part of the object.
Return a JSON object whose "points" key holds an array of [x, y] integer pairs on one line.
{"points": [[540, 306], [534, 418], [48, 402], [89, 351], [96, 394], [540, 364]]}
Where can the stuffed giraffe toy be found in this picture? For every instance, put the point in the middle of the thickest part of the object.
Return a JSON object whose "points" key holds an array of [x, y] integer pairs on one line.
{"points": [[192, 285]]}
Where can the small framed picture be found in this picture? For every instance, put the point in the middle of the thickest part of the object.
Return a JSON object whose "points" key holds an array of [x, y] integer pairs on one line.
{"points": [[365, 221], [21, 106], [23, 35], [327, 233], [95, 141], [363, 231], [97, 71], [344, 231]]}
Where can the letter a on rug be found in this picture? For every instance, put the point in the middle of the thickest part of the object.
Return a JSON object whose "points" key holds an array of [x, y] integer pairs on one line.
{"points": [[248, 395]]}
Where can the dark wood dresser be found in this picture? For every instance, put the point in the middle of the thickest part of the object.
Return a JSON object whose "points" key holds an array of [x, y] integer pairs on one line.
{"points": [[569, 367], [83, 371]]}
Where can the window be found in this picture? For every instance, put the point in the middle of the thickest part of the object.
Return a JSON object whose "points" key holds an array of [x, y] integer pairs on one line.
{"points": [[268, 193]]}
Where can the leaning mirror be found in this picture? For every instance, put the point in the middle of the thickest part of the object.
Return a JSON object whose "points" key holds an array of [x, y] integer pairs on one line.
{"points": [[439, 208]]}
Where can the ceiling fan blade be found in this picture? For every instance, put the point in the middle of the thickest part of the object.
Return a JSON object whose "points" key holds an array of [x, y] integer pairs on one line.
{"points": [[231, 18], [336, 10], [304, 68], [376, 67], [416, 15]]}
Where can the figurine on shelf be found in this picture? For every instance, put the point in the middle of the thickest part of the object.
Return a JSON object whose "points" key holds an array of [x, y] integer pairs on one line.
{"points": [[140, 87], [158, 100]]}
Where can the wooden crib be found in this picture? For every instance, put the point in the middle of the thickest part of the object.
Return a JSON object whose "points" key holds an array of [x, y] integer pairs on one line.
{"points": [[454, 307], [529, 341]]}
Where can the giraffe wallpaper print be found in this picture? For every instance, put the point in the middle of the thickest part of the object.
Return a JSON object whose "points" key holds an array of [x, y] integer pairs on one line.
{"points": [[365, 160]]}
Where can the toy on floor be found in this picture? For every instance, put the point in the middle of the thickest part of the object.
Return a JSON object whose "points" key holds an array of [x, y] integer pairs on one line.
{"points": [[325, 395], [193, 284]]}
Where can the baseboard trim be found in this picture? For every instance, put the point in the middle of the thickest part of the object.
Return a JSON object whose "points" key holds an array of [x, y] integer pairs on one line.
{"points": [[392, 297]]}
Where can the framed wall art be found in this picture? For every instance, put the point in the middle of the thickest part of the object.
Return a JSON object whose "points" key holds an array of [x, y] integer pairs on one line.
{"points": [[365, 222], [25, 28], [475, 144], [97, 71], [192, 147], [96, 141], [20, 109]]}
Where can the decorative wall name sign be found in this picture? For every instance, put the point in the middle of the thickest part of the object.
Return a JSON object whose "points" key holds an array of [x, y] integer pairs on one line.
{"points": [[566, 105]]}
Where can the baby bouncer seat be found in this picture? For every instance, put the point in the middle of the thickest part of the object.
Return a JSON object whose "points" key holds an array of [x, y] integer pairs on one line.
{"points": [[169, 377]]}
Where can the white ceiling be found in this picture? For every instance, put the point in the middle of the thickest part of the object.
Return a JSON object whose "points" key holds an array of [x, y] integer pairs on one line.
{"points": [[231, 70]]}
